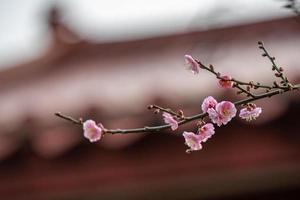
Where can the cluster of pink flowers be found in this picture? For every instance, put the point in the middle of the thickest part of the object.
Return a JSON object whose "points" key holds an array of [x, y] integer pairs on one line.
{"points": [[194, 140], [222, 113], [219, 113]]}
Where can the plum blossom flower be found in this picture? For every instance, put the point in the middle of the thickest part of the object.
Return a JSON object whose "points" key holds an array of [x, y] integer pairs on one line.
{"points": [[251, 112], [191, 64], [209, 102], [169, 119], [206, 131], [92, 131], [193, 141], [223, 113], [225, 82]]}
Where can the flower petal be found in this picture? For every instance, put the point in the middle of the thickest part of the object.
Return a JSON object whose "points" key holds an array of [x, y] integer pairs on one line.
{"points": [[192, 64]]}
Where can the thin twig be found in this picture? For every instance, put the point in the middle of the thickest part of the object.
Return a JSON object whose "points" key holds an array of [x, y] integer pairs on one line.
{"points": [[274, 65], [257, 85], [242, 90], [237, 83], [68, 118], [167, 110]]}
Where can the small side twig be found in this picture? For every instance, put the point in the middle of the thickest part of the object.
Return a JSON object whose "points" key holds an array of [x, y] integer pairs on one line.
{"points": [[242, 90], [179, 114], [278, 70], [68, 118]]}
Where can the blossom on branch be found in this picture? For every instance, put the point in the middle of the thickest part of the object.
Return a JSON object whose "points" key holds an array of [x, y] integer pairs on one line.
{"points": [[169, 119], [223, 113], [209, 102], [191, 64], [192, 140], [225, 82], [219, 113], [251, 112], [92, 131], [206, 131]]}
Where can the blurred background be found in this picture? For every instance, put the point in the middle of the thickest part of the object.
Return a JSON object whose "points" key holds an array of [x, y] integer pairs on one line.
{"points": [[107, 60]]}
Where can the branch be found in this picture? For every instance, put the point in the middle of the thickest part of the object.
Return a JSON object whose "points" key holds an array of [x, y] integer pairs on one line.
{"points": [[219, 113], [187, 119]]}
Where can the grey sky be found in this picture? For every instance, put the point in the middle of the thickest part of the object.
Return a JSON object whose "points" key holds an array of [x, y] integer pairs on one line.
{"points": [[24, 34]]}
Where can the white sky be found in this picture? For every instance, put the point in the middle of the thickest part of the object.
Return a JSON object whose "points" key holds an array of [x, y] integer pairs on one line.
{"points": [[23, 29]]}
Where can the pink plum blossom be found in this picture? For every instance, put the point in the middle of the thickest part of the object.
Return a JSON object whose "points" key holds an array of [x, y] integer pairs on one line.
{"points": [[225, 82], [191, 64], [192, 140], [92, 131], [209, 102], [206, 131], [169, 119], [223, 113], [250, 112]]}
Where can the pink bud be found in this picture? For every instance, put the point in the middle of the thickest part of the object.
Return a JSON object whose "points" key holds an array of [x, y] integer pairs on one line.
{"points": [[169, 119], [191, 64], [92, 131], [225, 82]]}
